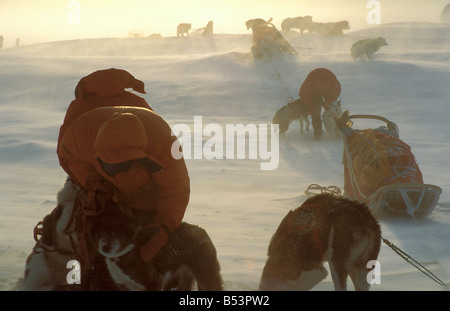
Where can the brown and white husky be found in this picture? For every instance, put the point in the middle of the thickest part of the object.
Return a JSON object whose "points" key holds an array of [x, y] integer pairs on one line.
{"points": [[324, 228]]}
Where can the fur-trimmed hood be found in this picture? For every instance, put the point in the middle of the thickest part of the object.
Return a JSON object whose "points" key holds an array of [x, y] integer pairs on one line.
{"points": [[117, 81]]}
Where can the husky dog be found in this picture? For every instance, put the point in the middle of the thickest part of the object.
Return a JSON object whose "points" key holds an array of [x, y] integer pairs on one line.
{"points": [[182, 29], [367, 47], [297, 110], [334, 111], [290, 112], [330, 29], [301, 22], [253, 22], [324, 228], [188, 256], [136, 33]]}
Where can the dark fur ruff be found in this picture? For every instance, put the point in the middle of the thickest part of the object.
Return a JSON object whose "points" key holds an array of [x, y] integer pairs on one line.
{"points": [[303, 238]]}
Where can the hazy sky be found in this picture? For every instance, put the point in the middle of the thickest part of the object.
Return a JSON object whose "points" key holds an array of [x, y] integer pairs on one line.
{"points": [[48, 20]]}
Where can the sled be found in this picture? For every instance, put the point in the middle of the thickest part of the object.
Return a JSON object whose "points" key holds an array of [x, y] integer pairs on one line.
{"points": [[379, 154], [268, 41]]}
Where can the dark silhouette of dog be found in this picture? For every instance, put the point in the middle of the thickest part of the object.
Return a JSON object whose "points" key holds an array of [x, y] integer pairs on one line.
{"points": [[293, 111]]}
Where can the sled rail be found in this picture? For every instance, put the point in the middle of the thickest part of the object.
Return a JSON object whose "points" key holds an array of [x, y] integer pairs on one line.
{"points": [[369, 116], [391, 126], [416, 200]]}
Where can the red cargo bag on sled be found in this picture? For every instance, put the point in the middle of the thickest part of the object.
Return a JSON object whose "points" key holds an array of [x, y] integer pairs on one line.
{"points": [[381, 171]]}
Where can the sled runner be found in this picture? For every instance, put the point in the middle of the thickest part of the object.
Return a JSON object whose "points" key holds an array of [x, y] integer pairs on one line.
{"points": [[268, 41], [381, 171]]}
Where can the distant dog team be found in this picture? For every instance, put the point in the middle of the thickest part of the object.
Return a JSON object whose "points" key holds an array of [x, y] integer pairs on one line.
{"points": [[301, 22], [183, 28]]}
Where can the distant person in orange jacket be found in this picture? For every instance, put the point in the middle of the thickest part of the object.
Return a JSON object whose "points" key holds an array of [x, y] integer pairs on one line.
{"points": [[126, 151], [320, 88]]}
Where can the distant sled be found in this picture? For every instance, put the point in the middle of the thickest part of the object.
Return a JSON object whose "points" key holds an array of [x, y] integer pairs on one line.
{"points": [[381, 171], [268, 41]]}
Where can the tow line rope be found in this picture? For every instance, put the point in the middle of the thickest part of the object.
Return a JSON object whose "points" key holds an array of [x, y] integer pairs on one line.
{"points": [[278, 76], [413, 262]]}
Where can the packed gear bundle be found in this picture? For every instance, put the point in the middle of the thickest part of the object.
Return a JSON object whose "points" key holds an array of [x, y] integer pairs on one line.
{"points": [[268, 41], [381, 170]]}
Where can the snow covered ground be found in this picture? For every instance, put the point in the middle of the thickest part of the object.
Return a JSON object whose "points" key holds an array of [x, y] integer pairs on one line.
{"points": [[237, 203]]}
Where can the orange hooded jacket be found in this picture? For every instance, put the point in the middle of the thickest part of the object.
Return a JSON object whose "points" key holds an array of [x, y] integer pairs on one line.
{"points": [[118, 134], [103, 88], [320, 82]]}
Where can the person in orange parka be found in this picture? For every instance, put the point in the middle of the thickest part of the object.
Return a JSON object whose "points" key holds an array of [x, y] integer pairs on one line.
{"points": [[320, 88], [104, 88], [129, 148]]}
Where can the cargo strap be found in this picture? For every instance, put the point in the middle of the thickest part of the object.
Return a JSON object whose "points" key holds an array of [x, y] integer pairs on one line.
{"points": [[44, 234]]}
